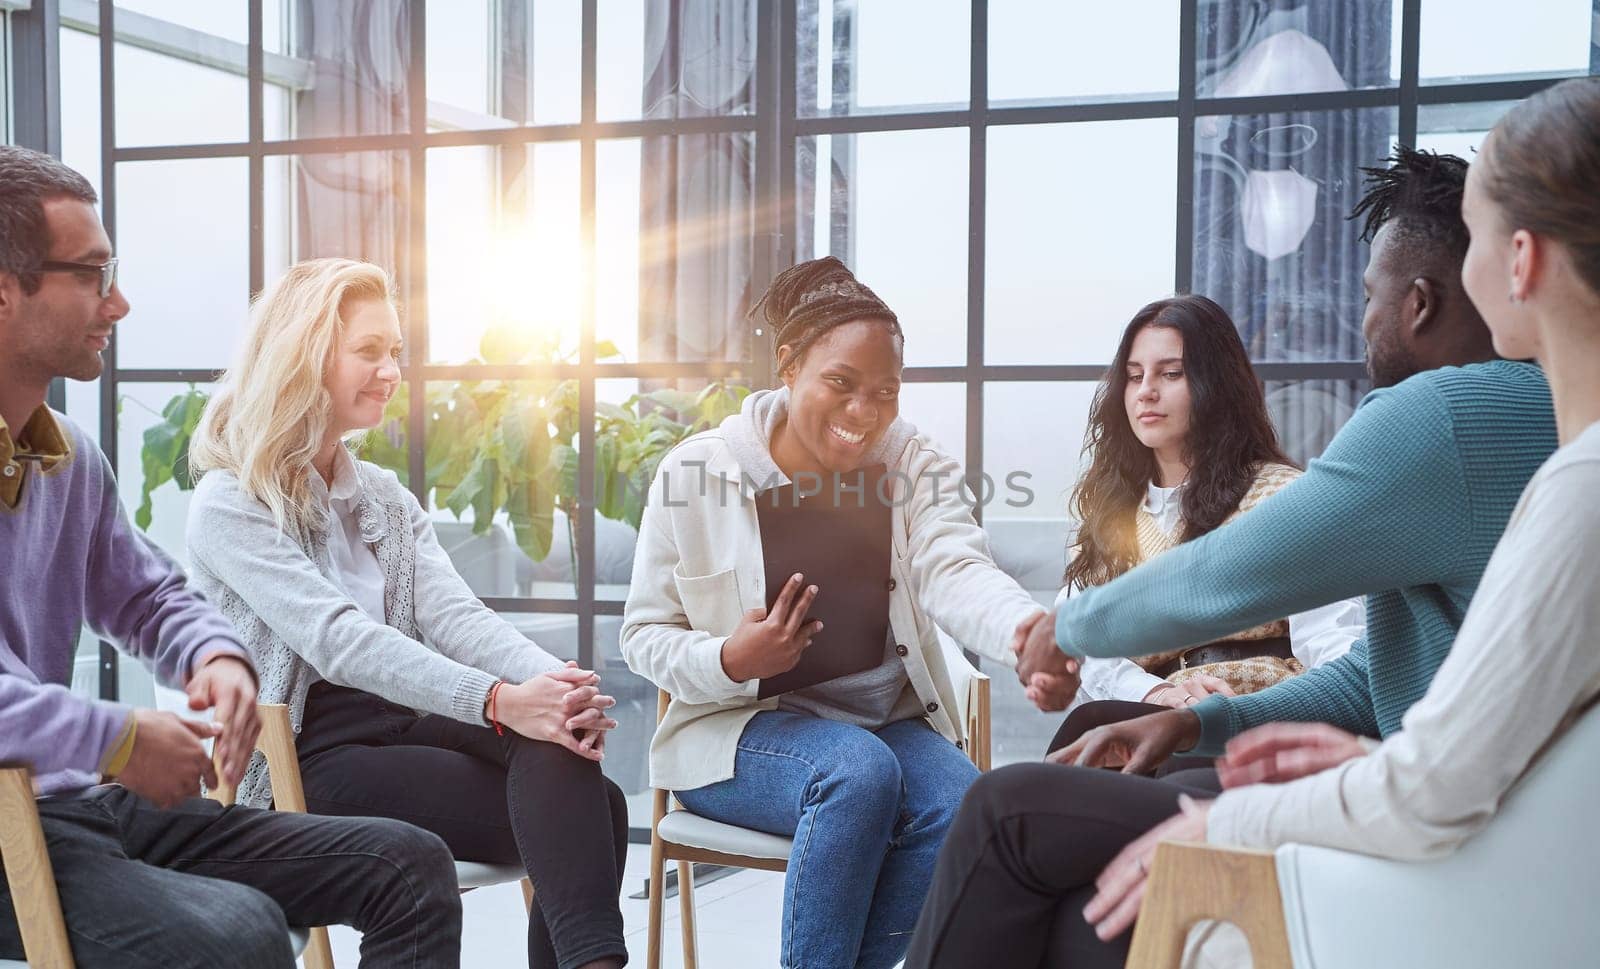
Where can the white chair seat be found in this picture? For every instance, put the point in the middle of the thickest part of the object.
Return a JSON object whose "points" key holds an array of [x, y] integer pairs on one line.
{"points": [[297, 941], [474, 874], [693, 831], [1518, 893]]}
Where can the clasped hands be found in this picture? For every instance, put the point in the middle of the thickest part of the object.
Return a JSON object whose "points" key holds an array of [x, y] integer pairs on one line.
{"points": [[563, 706]]}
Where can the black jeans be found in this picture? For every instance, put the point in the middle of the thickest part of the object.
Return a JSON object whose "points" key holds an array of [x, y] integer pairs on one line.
{"points": [[1021, 859], [492, 798], [1097, 713], [202, 885]]}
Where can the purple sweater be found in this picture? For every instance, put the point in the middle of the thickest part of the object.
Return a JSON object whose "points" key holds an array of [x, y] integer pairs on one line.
{"points": [[69, 556]]}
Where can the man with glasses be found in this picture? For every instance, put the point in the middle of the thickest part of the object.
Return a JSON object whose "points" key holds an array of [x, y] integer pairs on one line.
{"points": [[146, 871]]}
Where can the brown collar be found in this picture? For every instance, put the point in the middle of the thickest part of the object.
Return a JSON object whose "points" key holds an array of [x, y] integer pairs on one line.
{"points": [[41, 442]]}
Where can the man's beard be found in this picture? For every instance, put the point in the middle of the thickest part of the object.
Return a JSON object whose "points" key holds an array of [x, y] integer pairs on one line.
{"points": [[84, 364], [73, 361], [1390, 365]]}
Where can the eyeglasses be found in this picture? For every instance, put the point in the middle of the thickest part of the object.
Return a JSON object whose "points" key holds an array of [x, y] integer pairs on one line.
{"points": [[107, 271]]}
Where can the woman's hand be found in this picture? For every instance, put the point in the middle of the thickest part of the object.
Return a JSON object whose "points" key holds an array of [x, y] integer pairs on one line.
{"points": [[562, 707], [768, 643], [1190, 691], [1119, 891], [1276, 753]]}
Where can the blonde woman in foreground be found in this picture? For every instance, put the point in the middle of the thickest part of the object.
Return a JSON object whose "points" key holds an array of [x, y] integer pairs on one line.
{"points": [[357, 620]]}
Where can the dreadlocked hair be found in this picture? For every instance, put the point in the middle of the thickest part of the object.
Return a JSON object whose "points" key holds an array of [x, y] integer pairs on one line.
{"points": [[809, 300], [1420, 192]]}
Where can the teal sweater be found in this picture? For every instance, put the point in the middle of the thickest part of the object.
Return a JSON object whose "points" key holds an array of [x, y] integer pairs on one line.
{"points": [[1404, 506]]}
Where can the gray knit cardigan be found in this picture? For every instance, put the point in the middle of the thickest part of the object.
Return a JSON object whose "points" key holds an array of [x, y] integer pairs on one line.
{"points": [[439, 650]]}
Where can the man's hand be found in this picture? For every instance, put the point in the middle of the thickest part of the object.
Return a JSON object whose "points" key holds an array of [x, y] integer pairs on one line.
{"points": [[768, 643], [168, 760], [1192, 690], [227, 685], [1035, 645], [1138, 746], [1278, 752], [1120, 887]]}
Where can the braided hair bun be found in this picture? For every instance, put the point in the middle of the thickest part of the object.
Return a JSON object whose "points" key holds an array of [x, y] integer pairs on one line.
{"points": [[807, 301]]}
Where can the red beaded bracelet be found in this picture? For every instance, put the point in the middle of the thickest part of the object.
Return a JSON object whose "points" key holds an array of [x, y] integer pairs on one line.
{"points": [[494, 694]]}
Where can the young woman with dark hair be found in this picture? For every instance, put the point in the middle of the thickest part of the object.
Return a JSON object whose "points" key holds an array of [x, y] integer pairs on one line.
{"points": [[864, 771], [1180, 443]]}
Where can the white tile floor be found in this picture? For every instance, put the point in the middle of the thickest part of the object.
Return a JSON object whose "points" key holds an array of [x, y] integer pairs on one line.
{"points": [[738, 923]]}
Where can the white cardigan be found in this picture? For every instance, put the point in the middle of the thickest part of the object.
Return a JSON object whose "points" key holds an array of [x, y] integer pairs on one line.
{"points": [[699, 568]]}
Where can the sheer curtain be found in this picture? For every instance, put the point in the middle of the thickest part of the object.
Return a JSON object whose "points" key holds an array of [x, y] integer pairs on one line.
{"points": [[1272, 192], [353, 204], [697, 206]]}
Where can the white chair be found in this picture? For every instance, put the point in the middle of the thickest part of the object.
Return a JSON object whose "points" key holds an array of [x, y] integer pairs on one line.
{"points": [[1519, 893], [33, 884], [681, 836]]}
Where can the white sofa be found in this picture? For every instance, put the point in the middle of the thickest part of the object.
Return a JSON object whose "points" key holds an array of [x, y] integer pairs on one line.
{"points": [[1519, 895]]}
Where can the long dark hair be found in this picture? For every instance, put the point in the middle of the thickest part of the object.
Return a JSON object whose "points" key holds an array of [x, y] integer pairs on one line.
{"points": [[1230, 438]]}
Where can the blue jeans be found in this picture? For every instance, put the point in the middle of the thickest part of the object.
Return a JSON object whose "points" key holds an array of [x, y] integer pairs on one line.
{"points": [[867, 811]]}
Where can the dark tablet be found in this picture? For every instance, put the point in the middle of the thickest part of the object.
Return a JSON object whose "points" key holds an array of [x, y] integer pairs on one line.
{"points": [[835, 532]]}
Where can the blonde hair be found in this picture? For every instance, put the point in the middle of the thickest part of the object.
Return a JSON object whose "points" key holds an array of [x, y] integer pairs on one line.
{"points": [[269, 414]]}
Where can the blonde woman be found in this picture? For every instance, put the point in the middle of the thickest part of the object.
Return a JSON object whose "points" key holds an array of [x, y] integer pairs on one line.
{"points": [[410, 698]]}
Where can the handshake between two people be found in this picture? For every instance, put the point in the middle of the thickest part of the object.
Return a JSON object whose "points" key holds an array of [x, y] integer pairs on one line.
{"points": [[1049, 677], [1273, 753], [168, 761]]}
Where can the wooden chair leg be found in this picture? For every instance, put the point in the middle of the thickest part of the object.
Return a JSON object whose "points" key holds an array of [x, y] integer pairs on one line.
{"points": [[658, 874], [686, 912], [319, 953], [978, 723], [29, 876], [527, 896], [276, 743], [1190, 883]]}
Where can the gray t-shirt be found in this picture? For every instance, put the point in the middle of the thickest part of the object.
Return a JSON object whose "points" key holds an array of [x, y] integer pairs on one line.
{"points": [[871, 698]]}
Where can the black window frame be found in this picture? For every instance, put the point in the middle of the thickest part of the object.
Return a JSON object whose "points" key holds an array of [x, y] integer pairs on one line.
{"points": [[775, 125]]}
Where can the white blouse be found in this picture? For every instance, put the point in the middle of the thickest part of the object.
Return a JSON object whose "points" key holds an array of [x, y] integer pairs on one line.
{"points": [[1316, 636], [355, 564]]}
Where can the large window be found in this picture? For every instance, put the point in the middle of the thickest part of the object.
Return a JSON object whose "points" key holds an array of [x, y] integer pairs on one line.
{"points": [[580, 199]]}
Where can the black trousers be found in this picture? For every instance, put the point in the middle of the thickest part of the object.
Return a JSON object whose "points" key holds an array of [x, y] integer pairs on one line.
{"points": [[1021, 859], [492, 798], [1097, 713], [200, 885]]}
